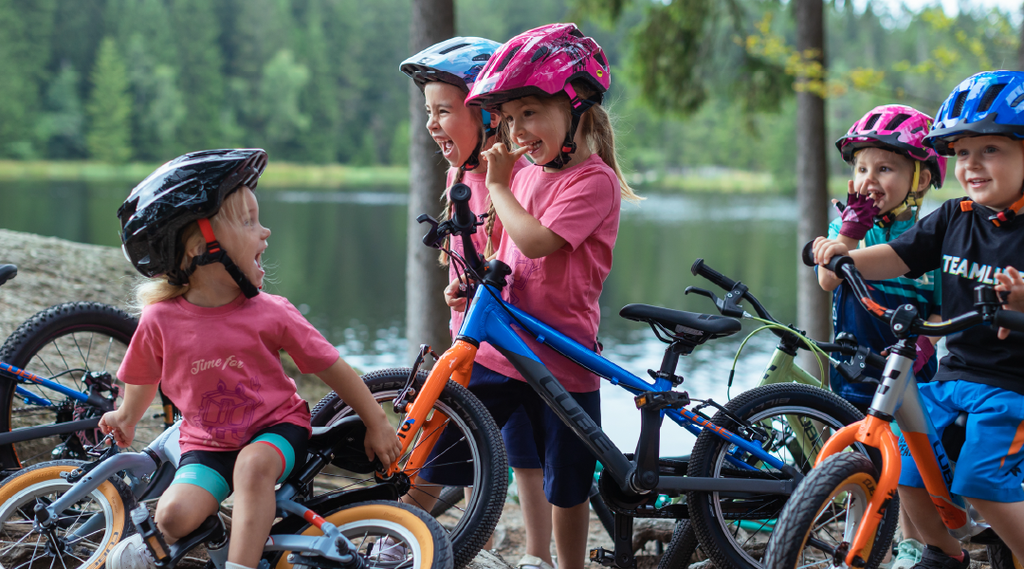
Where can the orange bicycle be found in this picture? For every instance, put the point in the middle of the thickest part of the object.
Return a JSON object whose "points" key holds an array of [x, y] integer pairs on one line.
{"points": [[835, 515]]}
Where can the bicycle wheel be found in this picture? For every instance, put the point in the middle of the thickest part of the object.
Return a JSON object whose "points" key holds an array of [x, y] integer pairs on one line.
{"points": [[80, 346], [414, 539], [826, 510], [729, 527], [680, 550], [1001, 557], [85, 533], [471, 523]]}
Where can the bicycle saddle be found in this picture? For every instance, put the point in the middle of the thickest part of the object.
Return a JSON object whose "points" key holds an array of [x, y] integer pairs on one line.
{"points": [[7, 272], [681, 322]]}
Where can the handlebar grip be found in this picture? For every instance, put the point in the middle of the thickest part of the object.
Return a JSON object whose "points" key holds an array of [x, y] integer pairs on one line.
{"points": [[1010, 319], [835, 264], [699, 268], [463, 217]]}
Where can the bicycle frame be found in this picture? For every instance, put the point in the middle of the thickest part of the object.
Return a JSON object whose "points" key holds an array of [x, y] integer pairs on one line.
{"points": [[491, 320], [18, 375]]}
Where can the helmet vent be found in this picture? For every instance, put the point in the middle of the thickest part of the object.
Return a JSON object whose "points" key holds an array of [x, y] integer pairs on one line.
{"points": [[600, 59], [871, 121], [482, 57], [539, 53], [1017, 100], [453, 48], [897, 121], [990, 96], [504, 62], [958, 105]]}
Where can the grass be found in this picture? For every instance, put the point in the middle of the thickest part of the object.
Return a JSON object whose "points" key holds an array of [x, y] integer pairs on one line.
{"points": [[280, 174]]}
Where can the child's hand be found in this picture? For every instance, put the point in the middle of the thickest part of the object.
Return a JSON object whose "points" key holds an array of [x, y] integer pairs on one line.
{"points": [[1010, 281], [381, 442], [499, 164], [452, 298], [825, 249], [124, 431], [858, 215]]}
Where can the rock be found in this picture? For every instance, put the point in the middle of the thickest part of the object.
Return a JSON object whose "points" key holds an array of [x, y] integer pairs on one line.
{"points": [[52, 271], [488, 560]]}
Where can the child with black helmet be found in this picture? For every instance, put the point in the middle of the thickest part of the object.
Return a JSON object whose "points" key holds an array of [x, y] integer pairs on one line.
{"points": [[211, 340], [973, 240]]}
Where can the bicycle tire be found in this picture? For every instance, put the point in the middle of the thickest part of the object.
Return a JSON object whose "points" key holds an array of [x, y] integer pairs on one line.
{"points": [[449, 498], [19, 547], [425, 542], [1001, 557], [814, 508], [476, 521], [681, 548], [62, 343], [717, 519]]}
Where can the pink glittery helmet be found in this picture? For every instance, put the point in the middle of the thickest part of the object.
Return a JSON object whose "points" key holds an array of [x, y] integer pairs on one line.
{"points": [[898, 128], [545, 61]]}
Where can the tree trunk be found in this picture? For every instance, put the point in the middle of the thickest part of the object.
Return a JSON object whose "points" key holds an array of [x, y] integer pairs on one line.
{"points": [[811, 175], [426, 314]]}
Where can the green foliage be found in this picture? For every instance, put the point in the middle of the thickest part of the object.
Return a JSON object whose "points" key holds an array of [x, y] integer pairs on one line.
{"points": [[109, 108]]}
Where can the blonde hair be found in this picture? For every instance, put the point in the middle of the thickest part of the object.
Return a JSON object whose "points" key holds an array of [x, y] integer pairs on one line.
{"points": [[596, 128], [158, 289]]}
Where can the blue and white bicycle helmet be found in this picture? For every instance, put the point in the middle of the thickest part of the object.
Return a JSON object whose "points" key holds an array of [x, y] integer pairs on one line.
{"points": [[457, 61], [986, 103]]}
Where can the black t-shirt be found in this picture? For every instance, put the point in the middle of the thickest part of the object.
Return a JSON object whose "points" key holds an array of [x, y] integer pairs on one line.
{"points": [[969, 250]]}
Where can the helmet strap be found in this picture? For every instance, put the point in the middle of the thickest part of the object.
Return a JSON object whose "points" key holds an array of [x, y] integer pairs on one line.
{"points": [[215, 254], [579, 106], [886, 219]]}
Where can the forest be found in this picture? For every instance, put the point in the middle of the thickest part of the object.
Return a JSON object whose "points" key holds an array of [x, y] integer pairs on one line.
{"points": [[317, 81]]}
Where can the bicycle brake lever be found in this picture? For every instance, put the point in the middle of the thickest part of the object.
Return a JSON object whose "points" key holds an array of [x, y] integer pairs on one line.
{"points": [[704, 292], [726, 307], [431, 239]]}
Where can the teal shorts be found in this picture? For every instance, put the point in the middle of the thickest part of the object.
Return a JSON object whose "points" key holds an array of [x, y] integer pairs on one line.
{"points": [[989, 466], [213, 470]]}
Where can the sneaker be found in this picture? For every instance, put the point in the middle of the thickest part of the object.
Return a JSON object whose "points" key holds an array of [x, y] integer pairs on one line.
{"points": [[533, 562], [388, 550], [908, 554], [131, 553], [934, 558]]}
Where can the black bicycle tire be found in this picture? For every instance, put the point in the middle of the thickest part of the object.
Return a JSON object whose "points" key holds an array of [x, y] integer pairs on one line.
{"points": [[450, 496], [815, 493], [713, 537], [681, 548], [37, 332], [481, 517], [409, 517], [1001, 557], [48, 474]]}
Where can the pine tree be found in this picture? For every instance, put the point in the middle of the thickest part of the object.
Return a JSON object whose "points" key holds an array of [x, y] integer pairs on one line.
{"points": [[200, 78], [110, 107]]}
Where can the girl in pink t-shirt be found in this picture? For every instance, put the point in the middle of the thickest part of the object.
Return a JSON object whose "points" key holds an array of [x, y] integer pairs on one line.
{"points": [[212, 340], [561, 219]]}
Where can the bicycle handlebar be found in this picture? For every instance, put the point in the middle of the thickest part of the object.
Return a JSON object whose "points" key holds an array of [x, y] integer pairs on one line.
{"points": [[905, 321]]}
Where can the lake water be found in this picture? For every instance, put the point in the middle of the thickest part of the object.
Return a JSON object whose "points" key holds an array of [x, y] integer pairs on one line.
{"points": [[339, 256]]}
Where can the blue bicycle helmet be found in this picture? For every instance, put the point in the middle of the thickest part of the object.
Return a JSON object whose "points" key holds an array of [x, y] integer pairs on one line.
{"points": [[986, 103], [456, 61]]}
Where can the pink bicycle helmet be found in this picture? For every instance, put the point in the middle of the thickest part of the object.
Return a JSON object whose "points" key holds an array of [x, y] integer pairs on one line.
{"points": [[545, 61], [898, 128]]}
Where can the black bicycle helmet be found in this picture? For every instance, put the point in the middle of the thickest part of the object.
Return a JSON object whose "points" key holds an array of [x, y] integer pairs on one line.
{"points": [[189, 188]]}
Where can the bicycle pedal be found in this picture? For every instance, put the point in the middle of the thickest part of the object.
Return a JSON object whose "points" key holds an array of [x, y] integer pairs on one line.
{"points": [[662, 400], [602, 556]]}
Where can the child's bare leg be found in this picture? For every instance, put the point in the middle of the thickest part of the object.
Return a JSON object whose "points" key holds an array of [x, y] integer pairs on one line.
{"points": [[182, 509], [256, 472], [536, 512], [926, 520], [907, 527], [1007, 519], [571, 528]]}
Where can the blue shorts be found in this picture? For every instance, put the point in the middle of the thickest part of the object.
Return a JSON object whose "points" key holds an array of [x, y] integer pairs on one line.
{"points": [[213, 471], [568, 464], [989, 467], [519, 444]]}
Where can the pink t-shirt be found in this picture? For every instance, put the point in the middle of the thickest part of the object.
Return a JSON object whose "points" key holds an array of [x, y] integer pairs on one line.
{"points": [[479, 203], [581, 205], [221, 366]]}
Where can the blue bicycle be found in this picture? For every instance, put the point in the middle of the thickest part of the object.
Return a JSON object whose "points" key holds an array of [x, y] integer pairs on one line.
{"points": [[742, 466]]}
